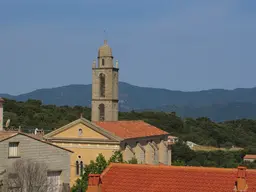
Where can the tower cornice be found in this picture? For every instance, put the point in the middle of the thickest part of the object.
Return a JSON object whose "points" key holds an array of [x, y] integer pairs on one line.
{"points": [[112, 68], [105, 99], [105, 56]]}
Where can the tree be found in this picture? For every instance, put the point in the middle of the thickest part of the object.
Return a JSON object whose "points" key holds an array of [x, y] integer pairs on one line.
{"points": [[97, 167], [178, 163], [28, 176], [203, 131]]}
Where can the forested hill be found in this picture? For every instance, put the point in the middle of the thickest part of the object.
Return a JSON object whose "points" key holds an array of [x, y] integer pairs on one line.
{"points": [[217, 104], [241, 133]]}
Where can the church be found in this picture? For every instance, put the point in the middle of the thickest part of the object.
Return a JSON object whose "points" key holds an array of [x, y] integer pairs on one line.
{"points": [[105, 133]]}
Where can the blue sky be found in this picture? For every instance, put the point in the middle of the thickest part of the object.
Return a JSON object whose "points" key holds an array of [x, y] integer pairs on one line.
{"points": [[175, 44]]}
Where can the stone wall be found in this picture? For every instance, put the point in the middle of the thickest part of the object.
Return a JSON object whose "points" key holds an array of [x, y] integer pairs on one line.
{"points": [[55, 158]]}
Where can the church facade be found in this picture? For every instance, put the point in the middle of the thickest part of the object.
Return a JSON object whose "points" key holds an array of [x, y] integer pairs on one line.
{"points": [[105, 133]]}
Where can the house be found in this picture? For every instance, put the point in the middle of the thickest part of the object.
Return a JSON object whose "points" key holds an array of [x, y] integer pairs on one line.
{"points": [[191, 144], [16, 145], [250, 158], [87, 140], [151, 178]]}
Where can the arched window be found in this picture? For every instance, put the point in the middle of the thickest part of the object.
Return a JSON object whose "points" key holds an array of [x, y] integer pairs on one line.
{"points": [[102, 112], [77, 168], [102, 85], [81, 168], [80, 132], [102, 62]]}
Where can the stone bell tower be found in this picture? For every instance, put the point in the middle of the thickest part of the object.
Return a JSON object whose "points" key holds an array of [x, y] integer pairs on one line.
{"points": [[105, 86]]}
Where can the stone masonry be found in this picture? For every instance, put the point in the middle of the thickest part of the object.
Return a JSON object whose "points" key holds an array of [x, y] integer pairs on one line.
{"points": [[105, 86]]}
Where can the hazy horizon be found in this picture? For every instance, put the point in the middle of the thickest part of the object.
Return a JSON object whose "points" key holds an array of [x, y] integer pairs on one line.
{"points": [[129, 84]]}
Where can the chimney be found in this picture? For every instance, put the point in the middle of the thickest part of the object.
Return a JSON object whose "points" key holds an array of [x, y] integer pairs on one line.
{"points": [[1, 114], [94, 183], [240, 184]]}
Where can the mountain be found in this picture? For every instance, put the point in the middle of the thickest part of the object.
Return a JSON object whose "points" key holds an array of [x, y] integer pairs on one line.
{"points": [[217, 104], [216, 112]]}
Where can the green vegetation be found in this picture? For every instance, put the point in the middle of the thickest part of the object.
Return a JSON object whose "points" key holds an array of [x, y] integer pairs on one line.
{"points": [[203, 131], [182, 155], [240, 133], [97, 167], [32, 113]]}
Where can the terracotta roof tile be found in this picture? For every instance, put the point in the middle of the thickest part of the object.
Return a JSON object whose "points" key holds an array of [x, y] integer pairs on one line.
{"points": [[130, 129], [250, 157], [153, 178], [6, 134]]}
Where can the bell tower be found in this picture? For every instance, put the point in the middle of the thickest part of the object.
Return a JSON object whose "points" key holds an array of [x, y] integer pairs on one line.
{"points": [[104, 86]]}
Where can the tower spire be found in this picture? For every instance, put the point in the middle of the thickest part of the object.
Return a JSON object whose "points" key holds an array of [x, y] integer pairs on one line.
{"points": [[105, 37]]}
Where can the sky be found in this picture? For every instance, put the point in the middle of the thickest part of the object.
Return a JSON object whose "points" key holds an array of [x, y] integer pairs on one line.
{"points": [[175, 44]]}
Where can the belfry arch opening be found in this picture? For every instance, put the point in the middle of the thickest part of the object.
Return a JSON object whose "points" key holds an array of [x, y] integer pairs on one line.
{"points": [[102, 85], [102, 62], [102, 112]]}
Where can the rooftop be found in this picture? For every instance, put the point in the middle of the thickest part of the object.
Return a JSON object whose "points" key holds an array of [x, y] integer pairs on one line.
{"points": [[130, 129], [160, 178], [250, 156], [8, 134]]}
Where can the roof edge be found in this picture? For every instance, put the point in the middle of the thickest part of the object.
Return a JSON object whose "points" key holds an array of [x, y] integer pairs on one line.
{"points": [[10, 136], [187, 168], [24, 134], [87, 123]]}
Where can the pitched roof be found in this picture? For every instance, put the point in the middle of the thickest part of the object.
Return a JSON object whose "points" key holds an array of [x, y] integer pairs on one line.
{"points": [[116, 130], [250, 157], [8, 134], [130, 129], [1, 100], [151, 178], [87, 123]]}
